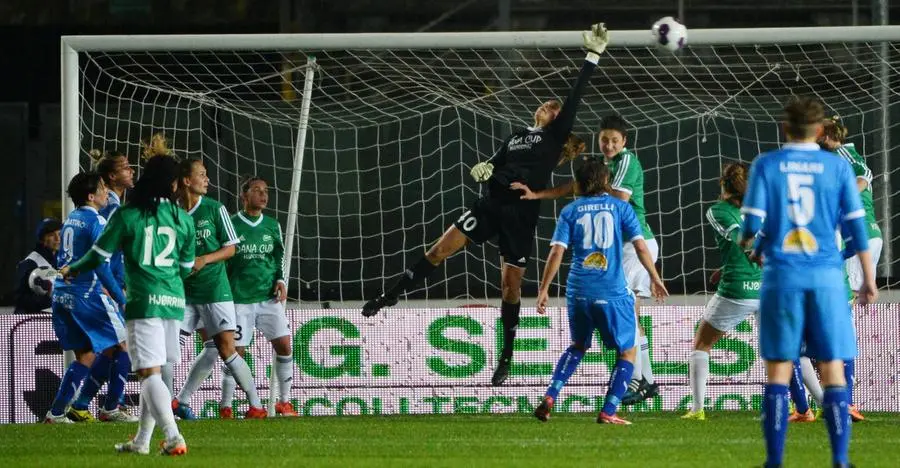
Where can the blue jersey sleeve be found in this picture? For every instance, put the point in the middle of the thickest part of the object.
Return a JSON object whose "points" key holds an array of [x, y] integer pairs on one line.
{"points": [[563, 233], [631, 226], [754, 205], [853, 221], [104, 272]]}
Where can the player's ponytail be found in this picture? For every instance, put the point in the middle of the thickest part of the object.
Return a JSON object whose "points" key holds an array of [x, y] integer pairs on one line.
{"points": [[592, 177], [833, 129], [571, 149], [734, 182]]}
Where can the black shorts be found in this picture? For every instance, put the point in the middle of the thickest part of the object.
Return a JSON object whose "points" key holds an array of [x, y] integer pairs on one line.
{"points": [[514, 225]]}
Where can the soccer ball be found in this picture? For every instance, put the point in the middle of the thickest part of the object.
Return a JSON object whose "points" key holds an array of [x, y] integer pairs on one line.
{"points": [[669, 34], [41, 280]]}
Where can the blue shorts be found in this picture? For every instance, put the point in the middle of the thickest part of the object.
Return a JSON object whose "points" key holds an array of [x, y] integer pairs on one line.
{"points": [[614, 319], [93, 322], [819, 317]]}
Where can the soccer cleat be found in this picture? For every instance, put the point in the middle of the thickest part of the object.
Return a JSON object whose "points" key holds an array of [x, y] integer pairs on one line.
{"points": [[131, 447], [54, 419], [256, 413], [374, 305], [117, 415], [542, 412], [649, 391], [183, 411], [855, 415], [631, 395], [285, 408], [173, 447], [695, 415], [80, 415], [604, 418], [645, 391], [796, 417], [501, 373], [819, 413], [226, 412]]}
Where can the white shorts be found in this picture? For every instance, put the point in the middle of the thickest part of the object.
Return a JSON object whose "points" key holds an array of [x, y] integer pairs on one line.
{"points": [[214, 318], [152, 342], [635, 275], [268, 317], [725, 314], [854, 268]]}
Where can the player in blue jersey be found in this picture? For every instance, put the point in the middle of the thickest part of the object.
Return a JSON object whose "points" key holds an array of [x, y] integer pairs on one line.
{"points": [[85, 319], [117, 176], [805, 194], [596, 226]]}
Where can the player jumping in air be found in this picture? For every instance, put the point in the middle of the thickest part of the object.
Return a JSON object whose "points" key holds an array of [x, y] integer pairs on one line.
{"points": [[210, 306], [628, 185], [737, 296], [257, 281], [596, 226], [527, 156], [85, 320], [157, 240], [805, 194]]}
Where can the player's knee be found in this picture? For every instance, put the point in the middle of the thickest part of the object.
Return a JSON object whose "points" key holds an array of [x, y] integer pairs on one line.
{"points": [[282, 345], [578, 346], [240, 350], [511, 295], [629, 354]]}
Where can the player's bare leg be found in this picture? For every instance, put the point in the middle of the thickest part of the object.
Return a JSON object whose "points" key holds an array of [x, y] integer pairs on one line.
{"points": [[511, 290], [705, 338], [450, 242]]}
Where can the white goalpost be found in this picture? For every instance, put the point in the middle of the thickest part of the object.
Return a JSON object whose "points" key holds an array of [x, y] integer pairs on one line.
{"points": [[366, 139]]}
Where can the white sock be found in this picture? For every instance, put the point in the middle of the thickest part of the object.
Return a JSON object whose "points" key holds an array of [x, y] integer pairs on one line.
{"points": [[228, 386], [168, 375], [811, 380], [146, 424], [284, 371], [201, 368], [160, 402], [646, 368], [699, 374], [241, 372], [636, 373]]}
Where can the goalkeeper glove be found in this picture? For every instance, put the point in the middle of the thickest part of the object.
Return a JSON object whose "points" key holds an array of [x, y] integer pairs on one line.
{"points": [[596, 39], [482, 171]]}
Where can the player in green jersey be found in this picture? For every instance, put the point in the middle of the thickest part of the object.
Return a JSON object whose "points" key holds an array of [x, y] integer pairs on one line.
{"points": [[628, 185], [157, 240], [210, 306], [737, 296], [834, 138], [257, 281]]}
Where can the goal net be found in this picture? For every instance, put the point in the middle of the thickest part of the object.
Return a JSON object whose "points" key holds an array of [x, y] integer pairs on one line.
{"points": [[367, 141], [392, 133]]}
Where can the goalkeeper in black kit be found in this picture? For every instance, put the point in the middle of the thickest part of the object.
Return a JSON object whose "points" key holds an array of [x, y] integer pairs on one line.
{"points": [[527, 156]]}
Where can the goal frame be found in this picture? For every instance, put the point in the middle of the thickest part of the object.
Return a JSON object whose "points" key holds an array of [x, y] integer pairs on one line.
{"points": [[71, 46]]}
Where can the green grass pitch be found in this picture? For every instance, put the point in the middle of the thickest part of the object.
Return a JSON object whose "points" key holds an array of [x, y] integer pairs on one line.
{"points": [[568, 440]]}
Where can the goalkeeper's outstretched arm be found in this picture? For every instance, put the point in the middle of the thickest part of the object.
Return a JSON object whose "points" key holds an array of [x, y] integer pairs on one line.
{"points": [[595, 42]]}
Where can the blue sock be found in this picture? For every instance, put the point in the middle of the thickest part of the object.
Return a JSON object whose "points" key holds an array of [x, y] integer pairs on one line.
{"points": [[836, 409], [566, 366], [618, 384], [798, 390], [92, 384], [72, 379], [116, 389], [850, 375], [774, 421]]}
